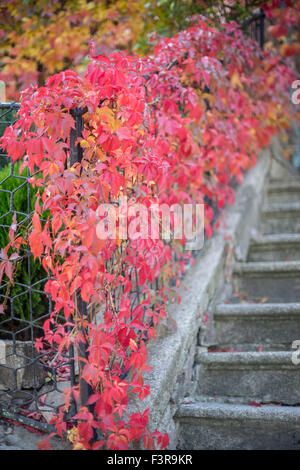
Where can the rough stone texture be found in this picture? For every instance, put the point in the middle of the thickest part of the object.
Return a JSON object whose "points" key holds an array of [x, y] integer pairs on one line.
{"points": [[53, 400], [271, 281], [281, 218], [217, 416], [225, 426], [170, 355], [278, 247], [19, 367], [261, 376], [19, 438], [267, 325], [283, 191], [280, 168]]}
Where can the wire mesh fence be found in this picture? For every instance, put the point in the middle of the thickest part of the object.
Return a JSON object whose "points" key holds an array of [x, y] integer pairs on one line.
{"points": [[32, 382]]}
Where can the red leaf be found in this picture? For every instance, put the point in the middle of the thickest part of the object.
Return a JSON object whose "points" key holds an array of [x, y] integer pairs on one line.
{"points": [[36, 244], [44, 444], [86, 431], [253, 403]]}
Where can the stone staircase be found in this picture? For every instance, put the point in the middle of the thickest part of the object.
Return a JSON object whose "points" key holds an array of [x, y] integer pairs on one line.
{"points": [[247, 387]]}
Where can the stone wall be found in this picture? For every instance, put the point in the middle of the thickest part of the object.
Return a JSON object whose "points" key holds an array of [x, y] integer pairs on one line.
{"points": [[172, 354]]}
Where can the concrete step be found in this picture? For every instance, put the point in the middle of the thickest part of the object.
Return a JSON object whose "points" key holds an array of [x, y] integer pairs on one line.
{"points": [[281, 218], [283, 191], [278, 247], [294, 178], [272, 282], [260, 376], [249, 326], [234, 427], [253, 359]]}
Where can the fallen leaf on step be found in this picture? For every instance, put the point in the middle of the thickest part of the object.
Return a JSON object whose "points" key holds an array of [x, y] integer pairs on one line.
{"points": [[253, 403]]}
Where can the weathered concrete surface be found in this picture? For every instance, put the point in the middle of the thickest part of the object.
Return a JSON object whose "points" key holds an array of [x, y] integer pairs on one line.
{"points": [[261, 376], [250, 326], [217, 416], [53, 399], [272, 281], [19, 366], [283, 191], [19, 438], [172, 355], [281, 218], [278, 247], [226, 426], [280, 169]]}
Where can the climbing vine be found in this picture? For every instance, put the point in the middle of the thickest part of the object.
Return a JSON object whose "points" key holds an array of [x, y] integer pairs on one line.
{"points": [[285, 17], [179, 126]]}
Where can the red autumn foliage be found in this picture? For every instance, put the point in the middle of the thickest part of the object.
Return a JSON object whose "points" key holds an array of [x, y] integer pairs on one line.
{"points": [[179, 126]]}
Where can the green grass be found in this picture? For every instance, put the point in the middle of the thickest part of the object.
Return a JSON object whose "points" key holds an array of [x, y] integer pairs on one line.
{"points": [[18, 195], [6, 117]]}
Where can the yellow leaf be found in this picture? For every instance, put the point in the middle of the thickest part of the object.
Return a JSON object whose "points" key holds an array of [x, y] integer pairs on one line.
{"points": [[84, 144], [79, 446], [108, 117], [235, 80]]}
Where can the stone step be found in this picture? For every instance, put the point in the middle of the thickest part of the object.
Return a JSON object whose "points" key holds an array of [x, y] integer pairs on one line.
{"points": [[294, 178], [272, 282], [260, 376], [233, 427], [278, 247], [283, 191], [281, 218], [249, 326]]}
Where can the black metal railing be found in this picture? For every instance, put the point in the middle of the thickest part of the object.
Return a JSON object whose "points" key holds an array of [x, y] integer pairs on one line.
{"points": [[255, 27]]}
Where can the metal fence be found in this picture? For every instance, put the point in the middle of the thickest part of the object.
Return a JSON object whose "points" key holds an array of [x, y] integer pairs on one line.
{"points": [[255, 27], [32, 382]]}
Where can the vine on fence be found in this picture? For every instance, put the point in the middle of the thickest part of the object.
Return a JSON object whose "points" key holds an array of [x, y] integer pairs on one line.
{"points": [[179, 126], [285, 28]]}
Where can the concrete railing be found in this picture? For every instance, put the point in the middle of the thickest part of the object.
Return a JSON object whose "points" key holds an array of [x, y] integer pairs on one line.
{"points": [[172, 354]]}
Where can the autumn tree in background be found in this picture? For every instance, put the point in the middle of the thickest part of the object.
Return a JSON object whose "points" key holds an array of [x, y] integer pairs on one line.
{"points": [[167, 17], [284, 18], [180, 125], [41, 37]]}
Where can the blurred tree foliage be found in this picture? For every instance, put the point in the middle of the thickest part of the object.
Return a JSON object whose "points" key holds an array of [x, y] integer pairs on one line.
{"points": [[167, 17], [41, 37]]}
